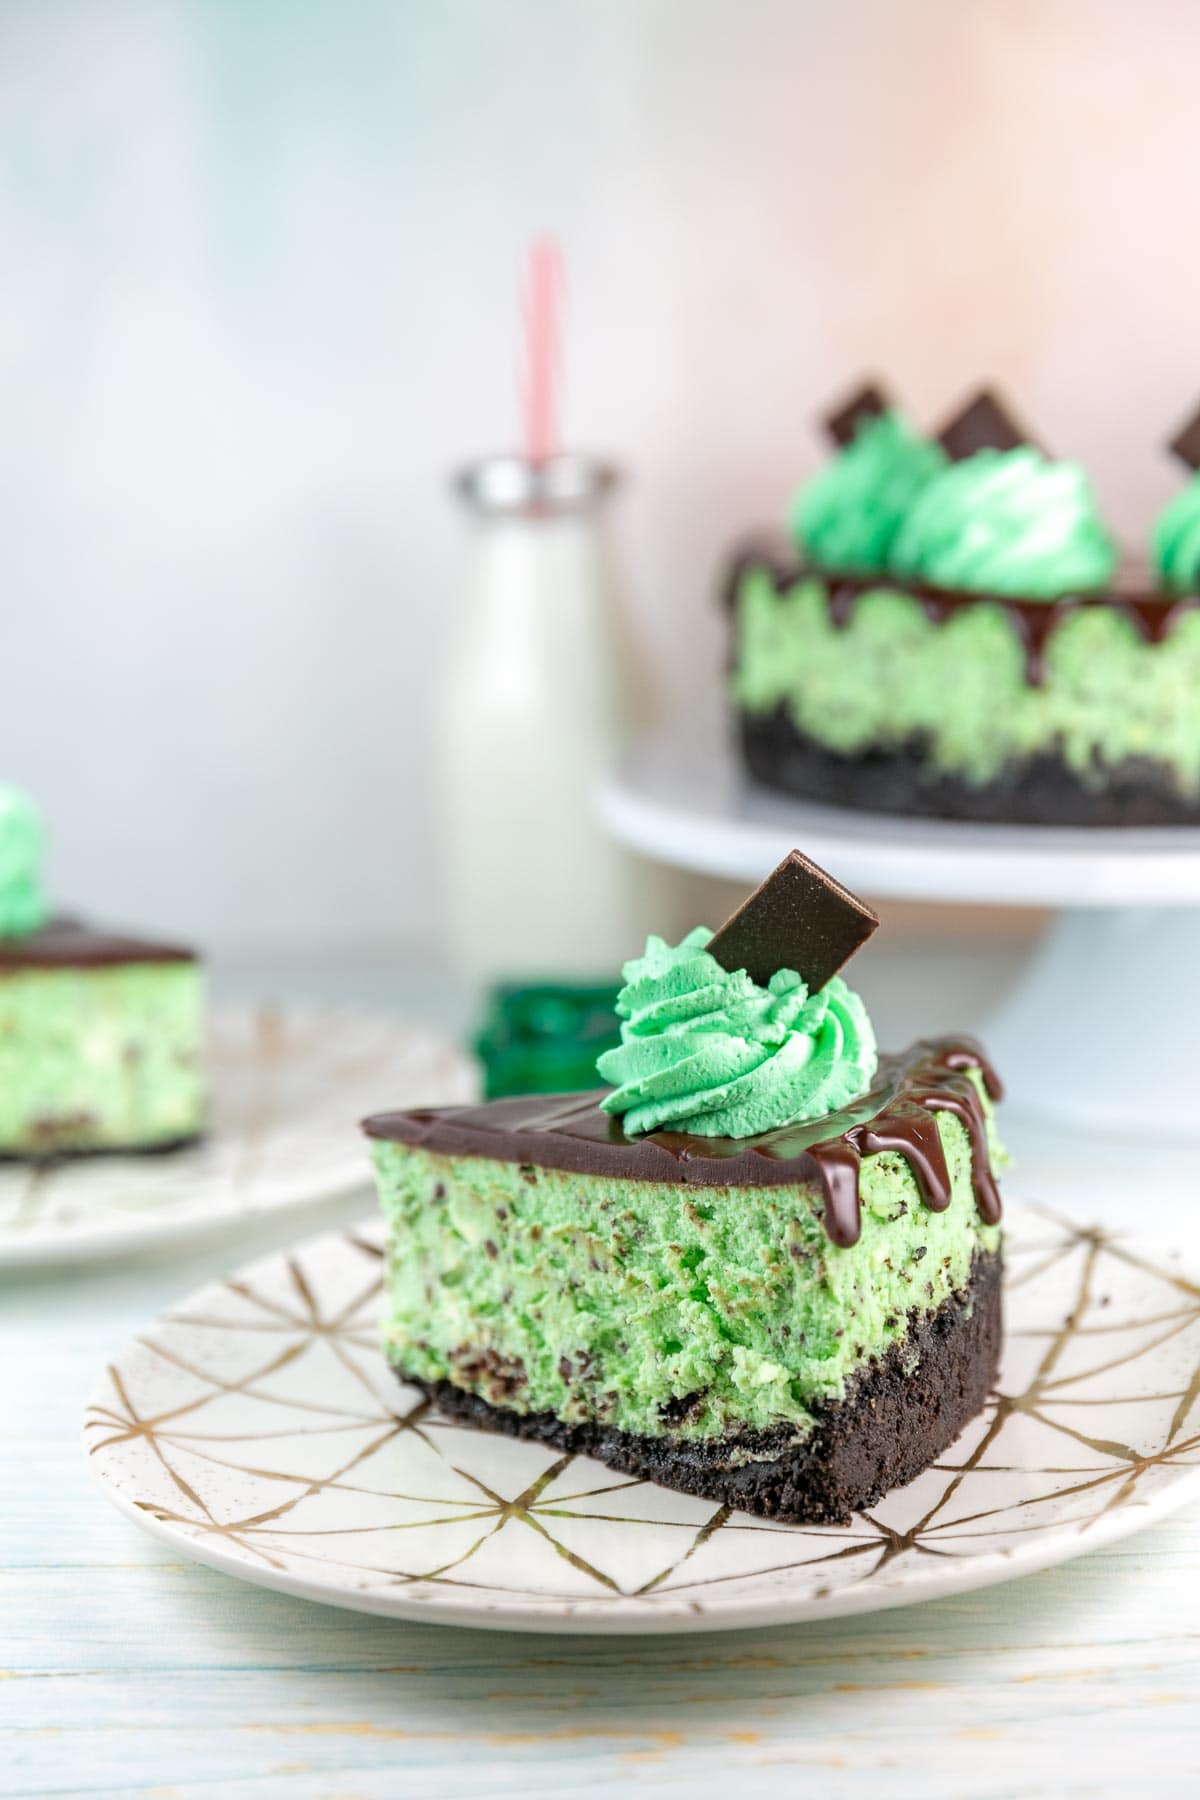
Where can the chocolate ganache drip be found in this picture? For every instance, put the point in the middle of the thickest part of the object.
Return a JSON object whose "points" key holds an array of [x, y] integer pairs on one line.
{"points": [[1152, 613], [897, 1113], [908, 1125]]}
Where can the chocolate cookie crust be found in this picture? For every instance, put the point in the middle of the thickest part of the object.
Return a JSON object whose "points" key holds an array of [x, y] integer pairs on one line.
{"points": [[1041, 790], [896, 1417], [50, 1156]]}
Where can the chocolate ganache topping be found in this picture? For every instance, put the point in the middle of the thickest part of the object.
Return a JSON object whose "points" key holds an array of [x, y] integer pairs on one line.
{"points": [[1152, 613], [66, 943], [898, 1112]]}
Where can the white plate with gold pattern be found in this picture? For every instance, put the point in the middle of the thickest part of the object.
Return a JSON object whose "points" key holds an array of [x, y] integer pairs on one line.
{"points": [[257, 1428], [287, 1088]]}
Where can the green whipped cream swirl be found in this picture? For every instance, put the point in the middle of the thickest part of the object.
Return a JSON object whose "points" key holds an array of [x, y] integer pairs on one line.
{"points": [[22, 907], [1177, 542], [847, 516], [1007, 522], [713, 1053]]}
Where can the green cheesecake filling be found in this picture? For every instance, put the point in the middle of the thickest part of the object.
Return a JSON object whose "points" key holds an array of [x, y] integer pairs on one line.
{"points": [[891, 674], [100, 1058], [657, 1307]]}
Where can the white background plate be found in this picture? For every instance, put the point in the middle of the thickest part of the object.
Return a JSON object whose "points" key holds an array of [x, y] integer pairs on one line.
{"points": [[288, 1085], [256, 1427]]}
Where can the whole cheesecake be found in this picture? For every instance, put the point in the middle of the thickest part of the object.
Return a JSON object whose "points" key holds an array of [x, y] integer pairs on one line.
{"points": [[764, 1267], [948, 633]]}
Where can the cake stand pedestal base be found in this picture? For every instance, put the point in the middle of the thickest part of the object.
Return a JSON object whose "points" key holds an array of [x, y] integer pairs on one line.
{"points": [[1103, 1029]]}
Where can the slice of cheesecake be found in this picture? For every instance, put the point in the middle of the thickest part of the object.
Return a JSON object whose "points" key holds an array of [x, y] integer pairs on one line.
{"points": [[101, 1042], [790, 1323]]}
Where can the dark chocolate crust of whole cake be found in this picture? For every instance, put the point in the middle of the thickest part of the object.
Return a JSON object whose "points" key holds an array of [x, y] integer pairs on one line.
{"points": [[69, 943], [897, 1416], [1040, 790]]}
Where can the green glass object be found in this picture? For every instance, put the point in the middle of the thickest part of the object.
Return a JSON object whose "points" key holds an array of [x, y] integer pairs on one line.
{"points": [[545, 1038]]}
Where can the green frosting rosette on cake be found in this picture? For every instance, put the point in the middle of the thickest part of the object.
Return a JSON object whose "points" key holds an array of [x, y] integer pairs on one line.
{"points": [[848, 515], [1176, 542], [22, 906], [714, 1053], [1007, 522]]}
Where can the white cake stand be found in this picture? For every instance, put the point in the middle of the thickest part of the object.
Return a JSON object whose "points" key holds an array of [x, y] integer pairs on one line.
{"points": [[1103, 1029]]}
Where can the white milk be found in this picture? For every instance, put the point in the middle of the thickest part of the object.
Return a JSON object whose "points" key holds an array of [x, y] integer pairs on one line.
{"points": [[533, 712]]}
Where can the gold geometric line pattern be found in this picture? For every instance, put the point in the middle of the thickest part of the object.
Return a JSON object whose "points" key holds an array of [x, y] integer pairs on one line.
{"points": [[307, 1456]]}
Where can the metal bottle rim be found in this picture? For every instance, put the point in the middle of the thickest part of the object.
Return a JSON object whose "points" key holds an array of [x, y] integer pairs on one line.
{"points": [[510, 484]]}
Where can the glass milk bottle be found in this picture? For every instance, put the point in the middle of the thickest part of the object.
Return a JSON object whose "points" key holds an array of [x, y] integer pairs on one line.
{"points": [[533, 712]]}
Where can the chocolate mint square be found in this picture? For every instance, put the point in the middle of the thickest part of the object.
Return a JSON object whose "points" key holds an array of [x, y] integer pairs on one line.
{"points": [[800, 918], [868, 403], [1186, 442], [985, 423]]}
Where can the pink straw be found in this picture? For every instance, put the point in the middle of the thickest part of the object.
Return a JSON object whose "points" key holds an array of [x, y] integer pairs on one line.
{"points": [[538, 381]]}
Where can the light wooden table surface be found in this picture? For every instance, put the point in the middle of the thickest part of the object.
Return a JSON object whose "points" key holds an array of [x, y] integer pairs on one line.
{"points": [[126, 1672]]}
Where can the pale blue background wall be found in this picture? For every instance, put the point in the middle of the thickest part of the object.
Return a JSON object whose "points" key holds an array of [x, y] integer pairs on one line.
{"points": [[256, 294]]}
